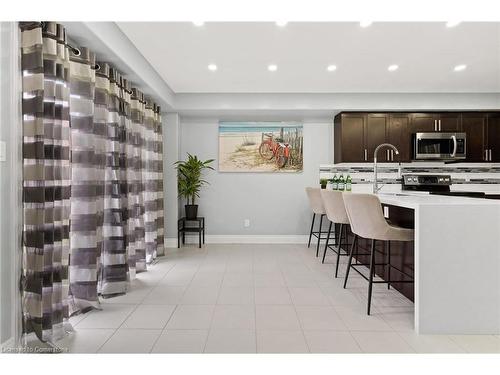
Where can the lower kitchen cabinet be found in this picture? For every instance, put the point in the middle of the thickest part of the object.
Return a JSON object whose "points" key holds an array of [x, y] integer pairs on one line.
{"points": [[401, 253]]}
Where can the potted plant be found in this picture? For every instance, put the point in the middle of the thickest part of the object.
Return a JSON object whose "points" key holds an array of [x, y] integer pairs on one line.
{"points": [[323, 182], [190, 182]]}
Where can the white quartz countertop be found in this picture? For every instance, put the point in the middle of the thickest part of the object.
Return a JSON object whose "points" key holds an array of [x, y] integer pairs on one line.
{"points": [[416, 199]]}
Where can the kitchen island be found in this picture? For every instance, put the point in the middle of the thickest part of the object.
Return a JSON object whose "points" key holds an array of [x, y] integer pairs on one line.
{"points": [[456, 262]]}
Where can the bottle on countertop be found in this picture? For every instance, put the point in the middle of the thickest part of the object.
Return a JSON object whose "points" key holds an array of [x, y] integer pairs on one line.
{"points": [[348, 183], [341, 185], [329, 185], [335, 182]]}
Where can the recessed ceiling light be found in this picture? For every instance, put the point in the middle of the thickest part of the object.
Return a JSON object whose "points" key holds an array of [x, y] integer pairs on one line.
{"points": [[460, 68], [331, 68], [198, 23], [365, 23], [393, 68], [281, 23], [452, 23], [212, 67], [272, 67]]}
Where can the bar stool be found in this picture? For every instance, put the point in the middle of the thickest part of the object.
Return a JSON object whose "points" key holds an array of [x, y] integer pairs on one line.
{"points": [[316, 203], [336, 214], [367, 220]]}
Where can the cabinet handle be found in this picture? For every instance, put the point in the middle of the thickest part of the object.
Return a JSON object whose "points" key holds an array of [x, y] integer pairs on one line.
{"points": [[490, 155], [392, 155], [439, 125], [366, 154], [435, 125], [486, 155], [387, 155]]}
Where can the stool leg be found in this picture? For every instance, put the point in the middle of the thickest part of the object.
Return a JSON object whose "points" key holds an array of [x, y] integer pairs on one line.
{"points": [[319, 234], [388, 264], [338, 250], [311, 231], [326, 244], [372, 271], [350, 259]]}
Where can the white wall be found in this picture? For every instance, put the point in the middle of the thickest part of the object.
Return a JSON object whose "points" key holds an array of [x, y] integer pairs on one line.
{"points": [[171, 133], [10, 181], [275, 203]]}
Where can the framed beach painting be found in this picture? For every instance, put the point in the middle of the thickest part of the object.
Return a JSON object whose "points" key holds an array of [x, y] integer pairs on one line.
{"points": [[260, 147]]}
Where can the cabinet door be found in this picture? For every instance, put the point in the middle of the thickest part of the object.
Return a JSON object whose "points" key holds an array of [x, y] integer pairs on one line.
{"points": [[450, 122], [494, 137], [398, 134], [353, 137], [423, 122], [375, 134], [474, 126]]}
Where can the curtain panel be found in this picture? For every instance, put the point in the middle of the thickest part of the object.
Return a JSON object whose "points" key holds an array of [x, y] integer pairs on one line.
{"points": [[92, 181]]}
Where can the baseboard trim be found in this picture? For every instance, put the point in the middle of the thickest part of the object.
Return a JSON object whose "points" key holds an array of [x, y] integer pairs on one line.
{"points": [[242, 239]]}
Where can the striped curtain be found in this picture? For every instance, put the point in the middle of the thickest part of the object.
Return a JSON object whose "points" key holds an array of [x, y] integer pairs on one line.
{"points": [[160, 250], [93, 181], [137, 107], [114, 262], [46, 179], [85, 158]]}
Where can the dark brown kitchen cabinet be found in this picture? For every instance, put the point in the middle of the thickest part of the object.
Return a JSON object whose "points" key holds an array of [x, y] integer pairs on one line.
{"points": [[375, 134], [357, 134], [449, 122], [493, 137], [433, 122], [474, 125], [422, 122], [398, 135], [349, 138]]}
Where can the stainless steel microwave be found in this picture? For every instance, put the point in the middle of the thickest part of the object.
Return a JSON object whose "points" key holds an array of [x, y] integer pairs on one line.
{"points": [[439, 146]]}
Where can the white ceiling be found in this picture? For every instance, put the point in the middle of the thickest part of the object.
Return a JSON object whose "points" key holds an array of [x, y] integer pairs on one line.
{"points": [[425, 52]]}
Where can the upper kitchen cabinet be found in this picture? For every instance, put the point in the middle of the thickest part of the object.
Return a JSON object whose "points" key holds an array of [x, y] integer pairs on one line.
{"points": [[449, 122], [349, 138], [483, 136], [493, 137], [422, 122], [397, 134], [375, 134], [474, 125], [435, 122], [358, 134]]}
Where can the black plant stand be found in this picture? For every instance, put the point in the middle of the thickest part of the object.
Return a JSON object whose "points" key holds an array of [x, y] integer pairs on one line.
{"points": [[182, 228]]}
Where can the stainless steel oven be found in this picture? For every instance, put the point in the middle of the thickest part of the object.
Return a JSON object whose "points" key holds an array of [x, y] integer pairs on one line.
{"points": [[439, 146]]}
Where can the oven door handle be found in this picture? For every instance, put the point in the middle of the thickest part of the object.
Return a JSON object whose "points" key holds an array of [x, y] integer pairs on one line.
{"points": [[454, 138]]}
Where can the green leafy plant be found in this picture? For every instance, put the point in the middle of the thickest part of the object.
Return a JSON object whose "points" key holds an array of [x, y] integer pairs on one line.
{"points": [[189, 176]]}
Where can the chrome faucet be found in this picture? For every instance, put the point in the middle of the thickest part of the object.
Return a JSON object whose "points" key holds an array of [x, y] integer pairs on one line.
{"points": [[375, 182]]}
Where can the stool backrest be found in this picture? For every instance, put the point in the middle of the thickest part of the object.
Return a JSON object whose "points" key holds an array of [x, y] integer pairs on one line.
{"points": [[365, 215], [334, 206], [315, 201]]}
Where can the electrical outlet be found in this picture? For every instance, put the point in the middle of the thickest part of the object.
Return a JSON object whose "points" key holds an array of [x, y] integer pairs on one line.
{"points": [[386, 212], [246, 223]]}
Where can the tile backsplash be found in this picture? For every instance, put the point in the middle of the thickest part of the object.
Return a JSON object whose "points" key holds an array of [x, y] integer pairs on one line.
{"points": [[389, 173]]}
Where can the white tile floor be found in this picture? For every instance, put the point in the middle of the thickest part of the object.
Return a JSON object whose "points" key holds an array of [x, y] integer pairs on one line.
{"points": [[256, 298]]}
